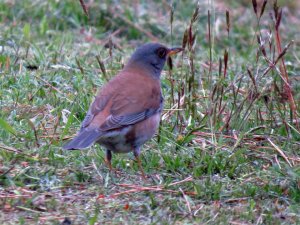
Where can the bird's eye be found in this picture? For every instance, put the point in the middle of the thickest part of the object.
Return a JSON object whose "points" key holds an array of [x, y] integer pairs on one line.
{"points": [[161, 52]]}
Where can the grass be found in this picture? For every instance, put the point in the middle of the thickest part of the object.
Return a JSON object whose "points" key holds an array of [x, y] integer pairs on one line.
{"points": [[228, 146]]}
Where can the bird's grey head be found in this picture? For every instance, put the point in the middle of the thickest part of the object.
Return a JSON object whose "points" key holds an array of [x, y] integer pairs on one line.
{"points": [[152, 57]]}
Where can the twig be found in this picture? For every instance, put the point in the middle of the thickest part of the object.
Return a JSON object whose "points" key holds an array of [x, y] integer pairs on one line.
{"points": [[280, 151], [7, 171], [95, 167], [13, 196], [28, 210], [50, 85], [58, 217], [17, 151], [149, 34], [276, 159], [186, 201], [11, 149], [197, 210], [161, 186], [182, 181], [140, 189], [135, 188], [174, 108], [236, 199], [84, 8]]}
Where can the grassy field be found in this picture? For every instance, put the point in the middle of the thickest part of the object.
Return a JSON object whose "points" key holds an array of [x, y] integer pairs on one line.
{"points": [[227, 151]]}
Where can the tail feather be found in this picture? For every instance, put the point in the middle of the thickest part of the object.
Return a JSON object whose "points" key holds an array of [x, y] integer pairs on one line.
{"points": [[83, 140]]}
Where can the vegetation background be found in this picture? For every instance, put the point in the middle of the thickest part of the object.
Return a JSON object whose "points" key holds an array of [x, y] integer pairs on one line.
{"points": [[227, 151]]}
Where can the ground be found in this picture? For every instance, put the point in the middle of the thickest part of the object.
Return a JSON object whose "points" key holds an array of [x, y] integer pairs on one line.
{"points": [[227, 151]]}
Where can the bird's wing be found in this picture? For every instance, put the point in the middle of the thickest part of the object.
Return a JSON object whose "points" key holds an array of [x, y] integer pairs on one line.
{"points": [[96, 107], [116, 121], [134, 101]]}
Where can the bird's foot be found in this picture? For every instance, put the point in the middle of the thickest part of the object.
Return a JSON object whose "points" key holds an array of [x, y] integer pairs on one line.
{"points": [[113, 170]]}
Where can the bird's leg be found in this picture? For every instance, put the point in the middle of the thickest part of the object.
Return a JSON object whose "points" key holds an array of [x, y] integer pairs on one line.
{"points": [[136, 153], [108, 162], [108, 159]]}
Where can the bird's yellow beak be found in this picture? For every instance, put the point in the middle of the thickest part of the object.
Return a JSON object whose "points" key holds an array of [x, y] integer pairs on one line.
{"points": [[173, 51]]}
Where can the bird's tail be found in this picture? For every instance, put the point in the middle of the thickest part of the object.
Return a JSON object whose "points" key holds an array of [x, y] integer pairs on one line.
{"points": [[84, 139]]}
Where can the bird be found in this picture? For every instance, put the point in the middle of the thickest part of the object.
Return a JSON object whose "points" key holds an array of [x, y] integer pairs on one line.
{"points": [[126, 111]]}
